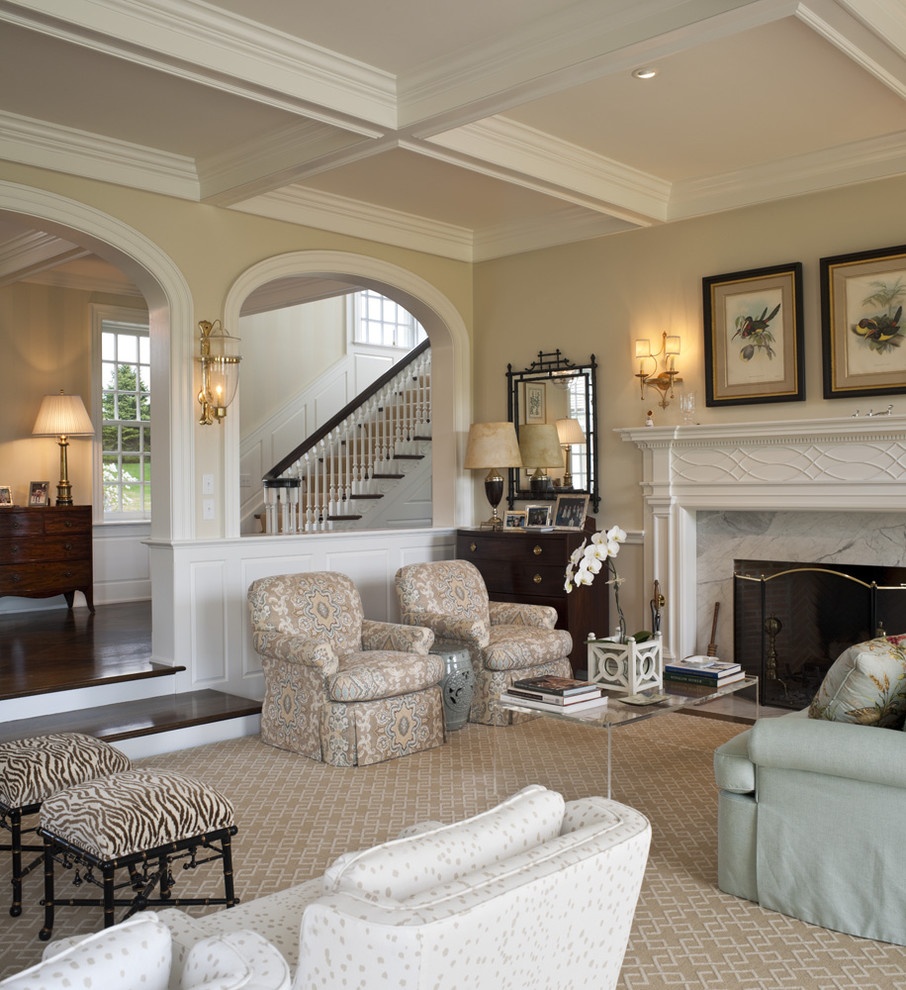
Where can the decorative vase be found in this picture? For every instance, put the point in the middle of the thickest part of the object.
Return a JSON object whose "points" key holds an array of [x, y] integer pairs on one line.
{"points": [[629, 666]]}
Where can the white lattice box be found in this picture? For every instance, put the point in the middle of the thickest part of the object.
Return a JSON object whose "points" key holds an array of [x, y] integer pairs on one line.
{"points": [[629, 666]]}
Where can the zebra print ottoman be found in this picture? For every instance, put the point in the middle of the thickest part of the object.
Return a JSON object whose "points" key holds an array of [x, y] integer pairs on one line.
{"points": [[30, 771], [143, 819]]}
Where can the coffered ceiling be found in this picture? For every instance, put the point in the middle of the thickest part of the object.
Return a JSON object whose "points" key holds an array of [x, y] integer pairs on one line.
{"points": [[472, 129]]}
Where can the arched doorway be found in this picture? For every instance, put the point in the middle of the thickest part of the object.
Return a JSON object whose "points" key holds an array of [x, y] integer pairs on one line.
{"points": [[170, 308], [451, 376]]}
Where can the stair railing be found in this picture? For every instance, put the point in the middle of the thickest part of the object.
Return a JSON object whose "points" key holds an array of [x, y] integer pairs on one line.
{"points": [[346, 458]]}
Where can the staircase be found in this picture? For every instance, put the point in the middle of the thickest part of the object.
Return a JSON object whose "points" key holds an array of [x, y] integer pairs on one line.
{"points": [[337, 477]]}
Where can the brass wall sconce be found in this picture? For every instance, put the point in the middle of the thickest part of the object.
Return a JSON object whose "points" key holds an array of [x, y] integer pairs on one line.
{"points": [[664, 380], [219, 371]]}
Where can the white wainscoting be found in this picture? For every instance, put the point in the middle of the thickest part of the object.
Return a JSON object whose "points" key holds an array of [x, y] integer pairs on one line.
{"points": [[200, 615]]}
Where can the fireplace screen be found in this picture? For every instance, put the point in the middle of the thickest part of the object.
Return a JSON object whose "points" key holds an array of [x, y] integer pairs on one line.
{"points": [[792, 620]]}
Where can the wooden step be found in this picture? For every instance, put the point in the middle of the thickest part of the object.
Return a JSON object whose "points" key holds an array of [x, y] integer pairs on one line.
{"points": [[130, 719]]}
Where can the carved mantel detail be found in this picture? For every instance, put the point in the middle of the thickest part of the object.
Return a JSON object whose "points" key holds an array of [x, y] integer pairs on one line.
{"points": [[856, 464]]}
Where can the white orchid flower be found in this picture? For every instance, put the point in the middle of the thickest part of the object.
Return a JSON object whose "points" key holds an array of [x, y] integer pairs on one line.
{"points": [[616, 534]]}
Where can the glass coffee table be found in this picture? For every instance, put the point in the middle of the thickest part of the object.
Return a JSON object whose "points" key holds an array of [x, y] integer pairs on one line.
{"points": [[618, 711]]}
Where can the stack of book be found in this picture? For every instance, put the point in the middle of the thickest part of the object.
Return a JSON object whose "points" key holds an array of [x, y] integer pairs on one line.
{"points": [[703, 670], [550, 693]]}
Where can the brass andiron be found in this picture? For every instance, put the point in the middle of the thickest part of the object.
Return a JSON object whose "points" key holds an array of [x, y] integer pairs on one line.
{"points": [[772, 626]]}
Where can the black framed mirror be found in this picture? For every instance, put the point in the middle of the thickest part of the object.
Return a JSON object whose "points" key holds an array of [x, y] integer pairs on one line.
{"points": [[554, 391]]}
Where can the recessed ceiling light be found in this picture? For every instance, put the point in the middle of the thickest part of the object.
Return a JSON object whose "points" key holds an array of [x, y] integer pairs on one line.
{"points": [[646, 73]]}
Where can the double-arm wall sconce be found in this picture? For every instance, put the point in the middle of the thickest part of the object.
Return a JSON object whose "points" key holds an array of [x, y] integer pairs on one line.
{"points": [[662, 381], [63, 416], [219, 371]]}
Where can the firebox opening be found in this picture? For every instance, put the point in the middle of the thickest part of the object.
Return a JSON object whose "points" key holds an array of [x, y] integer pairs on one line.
{"points": [[791, 620]]}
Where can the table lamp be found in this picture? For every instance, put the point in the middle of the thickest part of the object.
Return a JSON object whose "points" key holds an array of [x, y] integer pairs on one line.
{"points": [[63, 416], [493, 446], [539, 444], [570, 432]]}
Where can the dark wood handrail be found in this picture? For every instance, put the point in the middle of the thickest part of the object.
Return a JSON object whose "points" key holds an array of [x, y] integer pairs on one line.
{"points": [[347, 410]]}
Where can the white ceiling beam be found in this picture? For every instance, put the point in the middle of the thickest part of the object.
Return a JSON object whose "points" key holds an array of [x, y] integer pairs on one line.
{"points": [[518, 154], [576, 46], [278, 159], [232, 54]]}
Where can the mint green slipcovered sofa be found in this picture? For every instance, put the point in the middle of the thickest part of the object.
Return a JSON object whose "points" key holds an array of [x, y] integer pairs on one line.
{"points": [[810, 822]]}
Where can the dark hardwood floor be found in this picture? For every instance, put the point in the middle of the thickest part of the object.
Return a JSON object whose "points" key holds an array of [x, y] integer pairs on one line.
{"points": [[60, 649], [64, 649]]}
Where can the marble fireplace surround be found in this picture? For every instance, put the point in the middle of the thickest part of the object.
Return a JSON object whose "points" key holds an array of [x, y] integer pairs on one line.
{"points": [[829, 490]]}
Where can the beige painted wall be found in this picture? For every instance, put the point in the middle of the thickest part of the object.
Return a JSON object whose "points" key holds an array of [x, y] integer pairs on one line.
{"points": [[45, 339], [598, 296], [286, 349], [211, 247]]}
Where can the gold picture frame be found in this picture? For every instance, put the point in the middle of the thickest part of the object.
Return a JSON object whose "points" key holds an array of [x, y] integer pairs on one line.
{"points": [[862, 300], [570, 512], [537, 516], [514, 519], [754, 336]]}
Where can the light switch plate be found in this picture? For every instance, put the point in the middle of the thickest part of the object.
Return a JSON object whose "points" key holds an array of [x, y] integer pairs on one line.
{"points": [[207, 508]]}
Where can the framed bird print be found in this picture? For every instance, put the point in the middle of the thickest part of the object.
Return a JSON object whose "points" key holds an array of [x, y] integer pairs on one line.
{"points": [[754, 336], [862, 298]]}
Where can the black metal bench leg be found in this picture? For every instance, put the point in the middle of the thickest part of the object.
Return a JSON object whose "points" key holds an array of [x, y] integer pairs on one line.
{"points": [[15, 831], [109, 892], [227, 855], [47, 930]]}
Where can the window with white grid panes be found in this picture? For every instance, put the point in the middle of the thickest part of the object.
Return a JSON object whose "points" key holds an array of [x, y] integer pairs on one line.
{"points": [[578, 409], [384, 323], [125, 350]]}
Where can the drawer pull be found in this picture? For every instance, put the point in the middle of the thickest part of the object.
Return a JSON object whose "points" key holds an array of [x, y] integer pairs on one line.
{"points": [[473, 547], [537, 579], [67, 547], [67, 523], [536, 550]]}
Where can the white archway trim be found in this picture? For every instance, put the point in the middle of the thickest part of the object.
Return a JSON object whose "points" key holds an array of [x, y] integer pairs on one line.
{"points": [[450, 350], [170, 309]]}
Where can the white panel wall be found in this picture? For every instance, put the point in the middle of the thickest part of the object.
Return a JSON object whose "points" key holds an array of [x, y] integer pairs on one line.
{"points": [[204, 623]]}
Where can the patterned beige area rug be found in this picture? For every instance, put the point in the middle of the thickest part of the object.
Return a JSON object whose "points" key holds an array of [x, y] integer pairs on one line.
{"points": [[296, 816]]}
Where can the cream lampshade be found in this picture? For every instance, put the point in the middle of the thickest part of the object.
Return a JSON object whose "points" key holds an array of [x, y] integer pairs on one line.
{"points": [[63, 416], [570, 433], [540, 447], [492, 446]]}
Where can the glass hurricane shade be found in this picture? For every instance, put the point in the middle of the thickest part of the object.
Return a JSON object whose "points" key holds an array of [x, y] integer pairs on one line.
{"points": [[219, 370], [493, 446], [63, 416]]}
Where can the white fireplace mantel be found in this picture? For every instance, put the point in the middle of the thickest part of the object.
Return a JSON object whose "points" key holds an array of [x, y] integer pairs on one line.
{"points": [[853, 463]]}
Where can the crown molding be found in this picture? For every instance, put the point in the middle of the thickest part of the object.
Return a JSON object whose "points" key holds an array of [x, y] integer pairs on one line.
{"points": [[194, 41], [860, 161], [535, 160], [277, 159], [59, 148], [566, 226], [354, 218]]}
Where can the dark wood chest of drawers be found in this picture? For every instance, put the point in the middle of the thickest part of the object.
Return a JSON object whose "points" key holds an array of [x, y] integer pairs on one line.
{"points": [[46, 551], [528, 566]]}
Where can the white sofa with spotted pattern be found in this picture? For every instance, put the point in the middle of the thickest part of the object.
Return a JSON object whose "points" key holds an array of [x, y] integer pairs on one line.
{"points": [[536, 892]]}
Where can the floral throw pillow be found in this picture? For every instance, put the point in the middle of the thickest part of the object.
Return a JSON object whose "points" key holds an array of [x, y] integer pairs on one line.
{"points": [[865, 685]]}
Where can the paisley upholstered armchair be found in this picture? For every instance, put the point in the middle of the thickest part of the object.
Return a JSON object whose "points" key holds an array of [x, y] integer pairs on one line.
{"points": [[340, 688], [506, 640]]}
